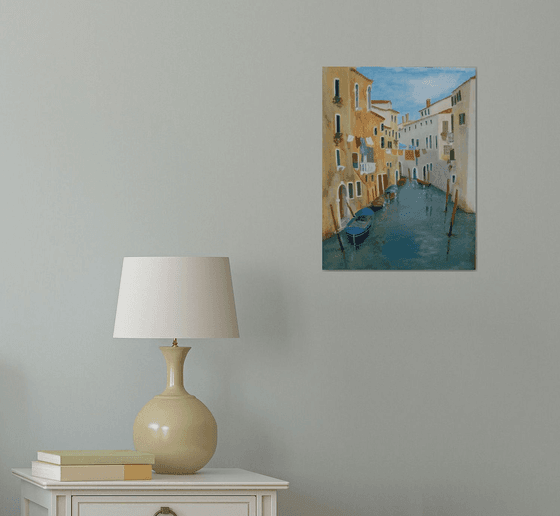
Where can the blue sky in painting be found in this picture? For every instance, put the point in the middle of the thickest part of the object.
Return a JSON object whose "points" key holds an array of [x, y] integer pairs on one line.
{"points": [[408, 88]]}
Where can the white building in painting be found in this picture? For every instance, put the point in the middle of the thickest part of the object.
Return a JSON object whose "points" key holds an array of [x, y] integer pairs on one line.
{"points": [[463, 130], [441, 144], [425, 136]]}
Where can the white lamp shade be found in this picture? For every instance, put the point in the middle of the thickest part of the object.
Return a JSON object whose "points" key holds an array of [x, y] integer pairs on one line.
{"points": [[176, 297]]}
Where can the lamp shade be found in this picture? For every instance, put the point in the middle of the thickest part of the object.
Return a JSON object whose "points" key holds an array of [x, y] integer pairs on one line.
{"points": [[176, 297]]}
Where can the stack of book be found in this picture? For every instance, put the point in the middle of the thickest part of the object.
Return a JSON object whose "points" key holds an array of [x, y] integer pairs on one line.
{"points": [[80, 465]]}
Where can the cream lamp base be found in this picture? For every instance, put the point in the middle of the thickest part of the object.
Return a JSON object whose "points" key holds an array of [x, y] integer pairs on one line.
{"points": [[175, 426]]}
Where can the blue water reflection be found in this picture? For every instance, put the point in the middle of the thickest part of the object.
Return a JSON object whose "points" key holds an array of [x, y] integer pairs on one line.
{"points": [[410, 233]]}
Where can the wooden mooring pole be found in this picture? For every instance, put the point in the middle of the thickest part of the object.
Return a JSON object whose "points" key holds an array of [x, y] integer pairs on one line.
{"points": [[454, 210], [446, 196], [350, 209], [336, 230]]}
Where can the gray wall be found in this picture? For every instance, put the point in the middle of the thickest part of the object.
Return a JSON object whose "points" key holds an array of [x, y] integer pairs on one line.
{"points": [[132, 128]]}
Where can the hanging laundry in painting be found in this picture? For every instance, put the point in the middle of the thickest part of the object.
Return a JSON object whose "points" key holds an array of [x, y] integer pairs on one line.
{"points": [[409, 155], [363, 147]]}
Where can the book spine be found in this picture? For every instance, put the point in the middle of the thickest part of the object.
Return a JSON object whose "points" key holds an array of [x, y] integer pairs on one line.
{"points": [[93, 472]]}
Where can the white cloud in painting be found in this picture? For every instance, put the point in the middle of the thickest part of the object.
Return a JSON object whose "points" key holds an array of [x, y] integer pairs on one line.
{"points": [[431, 87]]}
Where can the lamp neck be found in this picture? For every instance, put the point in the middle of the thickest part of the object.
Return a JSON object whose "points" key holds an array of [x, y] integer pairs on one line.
{"points": [[175, 359]]}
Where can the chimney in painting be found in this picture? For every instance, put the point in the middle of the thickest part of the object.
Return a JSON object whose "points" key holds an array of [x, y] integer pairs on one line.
{"points": [[428, 102]]}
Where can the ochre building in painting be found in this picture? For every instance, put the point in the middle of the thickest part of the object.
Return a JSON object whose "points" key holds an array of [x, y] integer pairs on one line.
{"points": [[354, 159], [388, 161]]}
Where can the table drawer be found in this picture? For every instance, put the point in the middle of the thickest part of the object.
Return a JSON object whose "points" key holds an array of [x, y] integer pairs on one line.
{"points": [[151, 505]]}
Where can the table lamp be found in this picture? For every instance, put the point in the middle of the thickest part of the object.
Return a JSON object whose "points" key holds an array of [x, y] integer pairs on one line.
{"points": [[174, 298]]}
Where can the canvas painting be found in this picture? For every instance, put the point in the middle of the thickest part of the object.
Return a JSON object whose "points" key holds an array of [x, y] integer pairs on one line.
{"points": [[399, 168]]}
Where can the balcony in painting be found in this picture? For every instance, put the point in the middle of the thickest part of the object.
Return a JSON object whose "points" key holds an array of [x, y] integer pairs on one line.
{"points": [[367, 168]]}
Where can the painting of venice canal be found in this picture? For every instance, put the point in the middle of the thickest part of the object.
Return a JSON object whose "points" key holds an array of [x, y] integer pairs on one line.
{"points": [[399, 168]]}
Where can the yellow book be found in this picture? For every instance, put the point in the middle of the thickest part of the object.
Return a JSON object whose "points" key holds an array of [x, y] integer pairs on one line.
{"points": [[91, 472], [78, 457]]}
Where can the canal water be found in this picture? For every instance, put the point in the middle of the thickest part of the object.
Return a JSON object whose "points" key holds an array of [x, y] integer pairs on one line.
{"points": [[409, 233]]}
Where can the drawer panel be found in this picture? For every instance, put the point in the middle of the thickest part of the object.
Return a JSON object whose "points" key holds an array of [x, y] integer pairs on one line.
{"points": [[150, 505]]}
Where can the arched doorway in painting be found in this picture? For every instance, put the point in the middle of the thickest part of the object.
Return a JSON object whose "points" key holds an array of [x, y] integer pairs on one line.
{"points": [[414, 173], [424, 173], [342, 201]]}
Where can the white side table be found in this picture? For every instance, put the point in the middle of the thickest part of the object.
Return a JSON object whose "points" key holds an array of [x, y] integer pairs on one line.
{"points": [[209, 492]]}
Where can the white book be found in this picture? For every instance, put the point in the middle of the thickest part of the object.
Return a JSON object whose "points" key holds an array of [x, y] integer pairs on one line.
{"points": [[77, 457]]}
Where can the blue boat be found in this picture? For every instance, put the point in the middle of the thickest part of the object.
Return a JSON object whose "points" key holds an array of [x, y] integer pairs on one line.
{"points": [[364, 212], [358, 228]]}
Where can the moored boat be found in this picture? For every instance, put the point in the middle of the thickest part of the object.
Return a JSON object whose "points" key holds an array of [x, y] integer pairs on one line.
{"points": [[391, 191], [377, 203], [358, 228], [364, 212], [423, 183]]}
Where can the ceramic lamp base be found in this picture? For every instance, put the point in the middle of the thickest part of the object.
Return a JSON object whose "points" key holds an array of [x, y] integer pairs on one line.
{"points": [[175, 426]]}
